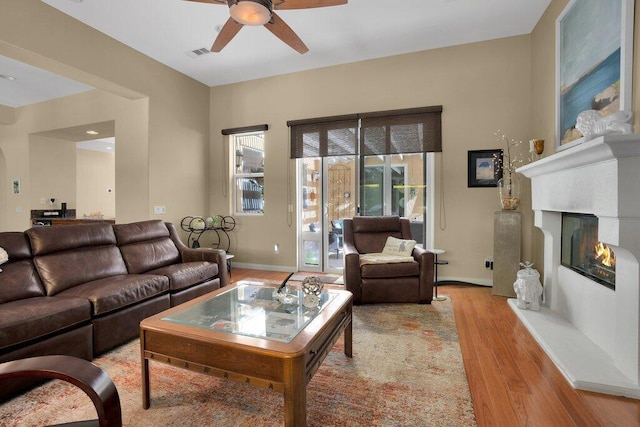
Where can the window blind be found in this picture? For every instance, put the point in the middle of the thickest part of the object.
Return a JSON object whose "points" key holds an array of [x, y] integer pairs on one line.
{"points": [[323, 137], [416, 130], [413, 130]]}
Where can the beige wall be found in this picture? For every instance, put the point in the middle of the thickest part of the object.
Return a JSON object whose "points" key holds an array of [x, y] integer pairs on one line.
{"points": [[95, 177], [163, 145], [52, 172], [482, 87], [131, 118]]}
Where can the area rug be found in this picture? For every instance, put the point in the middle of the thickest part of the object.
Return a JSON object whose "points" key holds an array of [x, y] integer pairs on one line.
{"points": [[406, 370]]}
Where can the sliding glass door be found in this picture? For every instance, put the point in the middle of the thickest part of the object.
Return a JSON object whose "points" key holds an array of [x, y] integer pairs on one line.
{"points": [[395, 184], [328, 195]]}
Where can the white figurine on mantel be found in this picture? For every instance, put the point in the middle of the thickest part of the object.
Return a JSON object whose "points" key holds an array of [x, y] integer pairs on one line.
{"points": [[528, 288], [592, 124]]}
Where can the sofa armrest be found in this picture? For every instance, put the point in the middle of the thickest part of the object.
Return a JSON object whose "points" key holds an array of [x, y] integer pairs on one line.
{"points": [[352, 277], [426, 260], [217, 256]]}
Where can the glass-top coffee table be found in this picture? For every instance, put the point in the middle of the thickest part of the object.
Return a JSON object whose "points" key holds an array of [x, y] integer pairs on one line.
{"points": [[247, 334]]}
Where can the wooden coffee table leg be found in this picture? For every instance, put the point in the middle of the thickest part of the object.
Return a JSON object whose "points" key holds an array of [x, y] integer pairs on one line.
{"points": [[146, 398], [348, 339], [295, 393], [348, 335]]}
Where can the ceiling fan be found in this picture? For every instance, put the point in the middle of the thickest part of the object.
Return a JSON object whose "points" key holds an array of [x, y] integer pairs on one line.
{"points": [[261, 12]]}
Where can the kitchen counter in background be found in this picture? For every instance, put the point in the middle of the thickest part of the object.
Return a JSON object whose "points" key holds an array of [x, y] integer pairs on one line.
{"points": [[54, 217]]}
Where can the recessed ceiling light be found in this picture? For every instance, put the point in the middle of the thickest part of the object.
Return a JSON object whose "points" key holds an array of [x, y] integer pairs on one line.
{"points": [[92, 132], [7, 77]]}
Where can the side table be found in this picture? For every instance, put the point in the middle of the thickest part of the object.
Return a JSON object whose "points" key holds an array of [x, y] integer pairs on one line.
{"points": [[436, 263], [229, 258]]}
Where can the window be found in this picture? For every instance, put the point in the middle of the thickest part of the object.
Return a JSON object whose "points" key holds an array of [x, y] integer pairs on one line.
{"points": [[248, 176]]}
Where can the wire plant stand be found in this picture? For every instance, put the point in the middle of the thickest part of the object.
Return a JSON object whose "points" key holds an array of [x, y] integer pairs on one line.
{"points": [[221, 225]]}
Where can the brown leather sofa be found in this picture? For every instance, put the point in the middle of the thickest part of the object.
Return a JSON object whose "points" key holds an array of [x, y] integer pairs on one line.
{"points": [[393, 282], [81, 290]]}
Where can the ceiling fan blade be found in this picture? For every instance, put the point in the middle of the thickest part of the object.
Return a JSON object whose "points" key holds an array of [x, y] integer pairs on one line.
{"points": [[282, 31], [305, 4], [224, 2], [228, 31]]}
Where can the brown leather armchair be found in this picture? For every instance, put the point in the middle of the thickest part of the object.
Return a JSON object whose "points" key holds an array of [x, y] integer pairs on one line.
{"points": [[83, 374], [394, 282]]}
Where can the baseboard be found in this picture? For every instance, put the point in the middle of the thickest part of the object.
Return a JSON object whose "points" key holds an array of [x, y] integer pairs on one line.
{"points": [[284, 268], [466, 280]]}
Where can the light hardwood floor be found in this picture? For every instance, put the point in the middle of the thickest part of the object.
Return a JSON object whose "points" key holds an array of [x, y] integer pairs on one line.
{"points": [[512, 381]]}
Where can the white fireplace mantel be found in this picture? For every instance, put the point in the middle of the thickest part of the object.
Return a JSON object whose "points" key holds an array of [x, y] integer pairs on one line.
{"points": [[592, 333]]}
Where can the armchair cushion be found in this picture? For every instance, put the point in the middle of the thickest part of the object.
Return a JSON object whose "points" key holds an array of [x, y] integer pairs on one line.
{"points": [[383, 259]]}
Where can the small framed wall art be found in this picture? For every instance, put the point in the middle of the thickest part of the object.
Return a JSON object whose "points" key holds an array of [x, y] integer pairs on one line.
{"points": [[484, 168], [15, 186]]}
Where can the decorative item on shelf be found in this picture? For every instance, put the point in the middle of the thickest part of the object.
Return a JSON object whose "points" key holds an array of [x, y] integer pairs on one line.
{"points": [[509, 184], [536, 146], [4, 257], [197, 223], [312, 288], [528, 287], [592, 124]]}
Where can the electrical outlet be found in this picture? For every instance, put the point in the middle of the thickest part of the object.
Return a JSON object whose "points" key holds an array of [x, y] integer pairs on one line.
{"points": [[488, 263], [159, 210], [276, 248]]}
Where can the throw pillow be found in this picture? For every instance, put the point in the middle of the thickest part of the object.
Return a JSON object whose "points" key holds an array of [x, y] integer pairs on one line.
{"points": [[400, 247], [4, 257]]}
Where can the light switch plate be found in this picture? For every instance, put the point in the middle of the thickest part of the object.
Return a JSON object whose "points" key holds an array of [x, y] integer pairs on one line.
{"points": [[159, 210]]}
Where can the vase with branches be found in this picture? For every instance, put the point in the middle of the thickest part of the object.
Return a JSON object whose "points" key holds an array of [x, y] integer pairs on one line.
{"points": [[510, 159]]}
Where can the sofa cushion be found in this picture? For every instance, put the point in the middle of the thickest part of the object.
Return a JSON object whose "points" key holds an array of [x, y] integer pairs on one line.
{"points": [[142, 257], [140, 231], [113, 293], [45, 240], [187, 274], [19, 280], [402, 269], [63, 270], [35, 318], [16, 244]]}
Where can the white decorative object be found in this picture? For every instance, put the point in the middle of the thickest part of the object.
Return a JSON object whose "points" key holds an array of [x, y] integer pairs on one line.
{"points": [[591, 124], [4, 257], [312, 288], [528, 288]]}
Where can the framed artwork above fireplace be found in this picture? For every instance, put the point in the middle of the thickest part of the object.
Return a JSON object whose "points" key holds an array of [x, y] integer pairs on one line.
{"points": [[594, 57]]}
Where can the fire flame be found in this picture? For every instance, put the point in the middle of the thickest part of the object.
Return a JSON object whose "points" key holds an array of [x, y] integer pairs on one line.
{"points": [[604, 254]]}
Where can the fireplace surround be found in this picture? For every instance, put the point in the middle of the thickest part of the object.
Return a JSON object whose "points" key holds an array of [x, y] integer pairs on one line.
{"points": [[591, 332]]}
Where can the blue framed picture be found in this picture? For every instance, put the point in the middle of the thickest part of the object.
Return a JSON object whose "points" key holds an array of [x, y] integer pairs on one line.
{"points": [[594, 49], [484, 168]]}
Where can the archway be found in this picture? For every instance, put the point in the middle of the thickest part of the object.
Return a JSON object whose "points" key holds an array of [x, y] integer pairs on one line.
{"points": [[4, 189]]}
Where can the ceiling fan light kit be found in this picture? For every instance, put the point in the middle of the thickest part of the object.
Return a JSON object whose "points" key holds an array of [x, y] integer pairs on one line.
{"points": [[251, 12]]}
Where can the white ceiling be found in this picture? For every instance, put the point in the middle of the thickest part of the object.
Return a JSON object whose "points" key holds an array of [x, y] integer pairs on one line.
{"points": [[362, 29], [32, 85]]}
